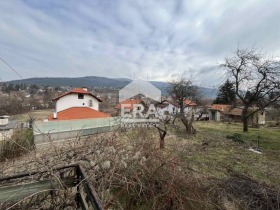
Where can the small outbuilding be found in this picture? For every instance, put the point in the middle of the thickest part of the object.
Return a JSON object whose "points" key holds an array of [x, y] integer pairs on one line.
{"points": [[229, 113], [6, 127]]}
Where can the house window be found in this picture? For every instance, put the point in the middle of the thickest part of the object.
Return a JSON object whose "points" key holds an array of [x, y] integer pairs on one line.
{"points": [[80, 96], [90, 103]]}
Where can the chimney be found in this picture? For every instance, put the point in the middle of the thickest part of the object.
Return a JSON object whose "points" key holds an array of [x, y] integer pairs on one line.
{"points": [[85, 88], [54, 115]]}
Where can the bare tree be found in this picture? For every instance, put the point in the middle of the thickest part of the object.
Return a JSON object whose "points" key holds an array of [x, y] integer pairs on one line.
{"points": [[162, 130], [181, 89], [255, 78], [13, 103]]}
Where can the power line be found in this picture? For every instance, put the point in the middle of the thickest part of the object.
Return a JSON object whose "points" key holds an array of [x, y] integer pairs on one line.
{"points": [[11, 67]]}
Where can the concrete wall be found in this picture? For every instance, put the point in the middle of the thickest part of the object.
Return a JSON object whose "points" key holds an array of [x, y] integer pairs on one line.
{"points": [[72, 100], [42, 138], [66, 129]]}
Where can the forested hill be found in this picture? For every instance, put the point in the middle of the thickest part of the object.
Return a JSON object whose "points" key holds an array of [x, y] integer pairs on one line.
{"points": [[94, 81]]}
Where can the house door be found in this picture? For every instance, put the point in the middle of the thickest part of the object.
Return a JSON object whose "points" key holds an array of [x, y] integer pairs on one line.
{"points": [[213, 116]]}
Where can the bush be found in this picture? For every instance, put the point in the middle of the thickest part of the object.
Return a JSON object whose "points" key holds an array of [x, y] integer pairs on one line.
{"points": [[236, 137], [273, 123], [21, 142]]}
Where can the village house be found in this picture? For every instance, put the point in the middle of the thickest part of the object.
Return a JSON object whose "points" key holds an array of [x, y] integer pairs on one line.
{"points": [[77, 104], [164, 107], [76, 114], [172, 107], [167, 107], [128, 104], [225, 112], [190, 107]]}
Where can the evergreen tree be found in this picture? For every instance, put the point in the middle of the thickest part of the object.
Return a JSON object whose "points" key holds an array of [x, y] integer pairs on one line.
{"points": [[226, 94]]}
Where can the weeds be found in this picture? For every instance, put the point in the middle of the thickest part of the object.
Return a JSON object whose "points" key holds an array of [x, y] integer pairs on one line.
{"points": [[21, 142], [129, 171]]}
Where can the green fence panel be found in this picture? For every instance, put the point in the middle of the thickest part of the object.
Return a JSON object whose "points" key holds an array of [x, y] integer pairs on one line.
{"points": [[47, 127]]}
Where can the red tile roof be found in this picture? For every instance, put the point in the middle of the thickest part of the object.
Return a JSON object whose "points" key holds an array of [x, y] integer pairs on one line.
{"points": [[189, 103], [227, 109], [77, 91], [174, 103], [221, 107], [235, 112], [128, 103], [77, 113]]}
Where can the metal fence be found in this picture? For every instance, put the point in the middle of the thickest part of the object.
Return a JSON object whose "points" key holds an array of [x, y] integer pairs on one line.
{"points": [[36, 189], [65, 129]]}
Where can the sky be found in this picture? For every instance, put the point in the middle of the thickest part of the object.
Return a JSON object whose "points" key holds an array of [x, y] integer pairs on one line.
{"points": [[148, 39]]}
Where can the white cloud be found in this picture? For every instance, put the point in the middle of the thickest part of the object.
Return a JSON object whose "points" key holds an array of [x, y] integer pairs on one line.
{"points": [[122, 38]]}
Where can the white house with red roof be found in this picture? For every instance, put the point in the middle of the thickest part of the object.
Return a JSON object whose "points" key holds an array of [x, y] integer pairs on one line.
{"points": [[190, 106], [77, 104], [172, 107], [167, 107]]}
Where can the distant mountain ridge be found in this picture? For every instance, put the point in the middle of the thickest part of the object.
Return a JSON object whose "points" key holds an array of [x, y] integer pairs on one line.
{"points": [[94, 81], [89, 81]]}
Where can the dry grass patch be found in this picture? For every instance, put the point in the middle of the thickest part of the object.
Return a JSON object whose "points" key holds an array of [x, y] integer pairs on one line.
{"points": [[129, 171]]}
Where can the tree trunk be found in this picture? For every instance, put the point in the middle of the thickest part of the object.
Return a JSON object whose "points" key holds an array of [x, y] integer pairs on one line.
{"points": [[161, 143], [162, 134], [191, 128], [245, 124], [186, 124], [245, 119], [173, 121]]}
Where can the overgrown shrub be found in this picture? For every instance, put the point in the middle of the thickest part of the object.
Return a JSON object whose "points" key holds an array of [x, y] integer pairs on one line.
{"points": [[131, 172], [21, 142]]}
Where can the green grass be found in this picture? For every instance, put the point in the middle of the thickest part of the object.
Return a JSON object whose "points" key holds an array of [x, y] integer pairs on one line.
{"points": [[215, 155], [269, 138]]}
